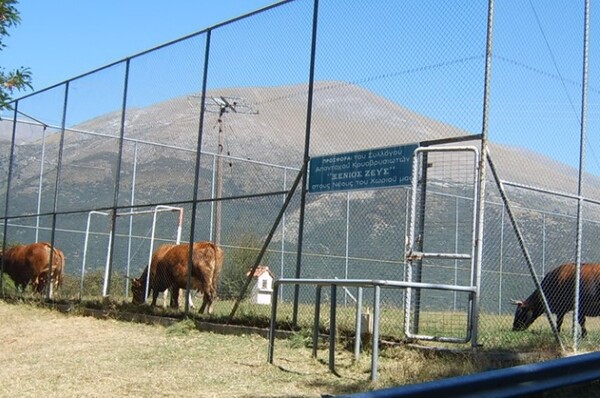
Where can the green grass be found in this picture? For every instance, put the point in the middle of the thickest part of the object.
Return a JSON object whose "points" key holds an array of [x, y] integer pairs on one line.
{"points": [[495, 331]]}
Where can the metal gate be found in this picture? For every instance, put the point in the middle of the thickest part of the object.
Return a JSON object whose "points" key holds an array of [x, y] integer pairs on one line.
{"points": [[441, 244]]}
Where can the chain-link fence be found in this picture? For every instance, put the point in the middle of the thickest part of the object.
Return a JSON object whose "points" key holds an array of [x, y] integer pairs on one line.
{"points": [[218, 127]]}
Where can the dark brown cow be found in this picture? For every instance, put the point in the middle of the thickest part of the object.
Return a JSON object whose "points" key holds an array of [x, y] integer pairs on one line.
{"points": [[168, 270], [31, 264], [559, 288], [157, 255]]}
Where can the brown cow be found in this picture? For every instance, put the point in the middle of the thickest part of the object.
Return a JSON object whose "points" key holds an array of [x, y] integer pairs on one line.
{"points": [[31, 263], [168, 270], [559, 288], [157, 255]]}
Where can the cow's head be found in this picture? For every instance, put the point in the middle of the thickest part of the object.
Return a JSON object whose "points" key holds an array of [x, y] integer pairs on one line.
{"points": [[138, 289], [525, 314]]}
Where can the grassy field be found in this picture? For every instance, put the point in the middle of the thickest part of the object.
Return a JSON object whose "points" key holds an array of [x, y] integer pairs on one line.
{"points": [[52, 354], [495, 331]]}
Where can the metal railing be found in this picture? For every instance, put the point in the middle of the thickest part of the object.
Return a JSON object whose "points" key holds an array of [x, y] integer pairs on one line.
{"points": [[360, 283]]}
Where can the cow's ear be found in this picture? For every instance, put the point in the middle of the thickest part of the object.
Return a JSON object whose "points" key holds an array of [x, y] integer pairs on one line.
{"points": [[135, 282]]}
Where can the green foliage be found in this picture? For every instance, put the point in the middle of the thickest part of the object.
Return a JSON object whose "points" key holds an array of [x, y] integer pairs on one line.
{"points": [[301, 339], [8, 283], [9, 17], [183, 328], [17, 79], [238, 261]]}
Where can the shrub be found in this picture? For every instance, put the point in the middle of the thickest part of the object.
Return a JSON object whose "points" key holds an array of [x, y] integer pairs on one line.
{"points": [[238, 261]]}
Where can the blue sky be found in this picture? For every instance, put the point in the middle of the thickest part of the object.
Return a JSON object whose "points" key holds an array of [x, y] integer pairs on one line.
{"points": [[424, 55], [61, 39]]}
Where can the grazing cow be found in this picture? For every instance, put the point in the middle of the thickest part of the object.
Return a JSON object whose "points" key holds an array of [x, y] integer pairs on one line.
{"points": [[168, 270], [31, 264], [157, 255], [559, 288]]}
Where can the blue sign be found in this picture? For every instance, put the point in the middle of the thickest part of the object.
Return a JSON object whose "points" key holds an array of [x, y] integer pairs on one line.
{"points": [[375, 168]]}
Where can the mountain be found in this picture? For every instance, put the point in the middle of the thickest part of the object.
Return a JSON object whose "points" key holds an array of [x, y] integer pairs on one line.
{"points": [[346, 118], [269, 130]]}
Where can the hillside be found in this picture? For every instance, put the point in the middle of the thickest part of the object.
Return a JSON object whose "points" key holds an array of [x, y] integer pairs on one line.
{"points": [[269, 131], [345, 118]]}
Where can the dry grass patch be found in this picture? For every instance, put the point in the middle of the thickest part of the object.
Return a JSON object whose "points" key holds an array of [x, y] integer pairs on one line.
{"points": [[46, 353]]}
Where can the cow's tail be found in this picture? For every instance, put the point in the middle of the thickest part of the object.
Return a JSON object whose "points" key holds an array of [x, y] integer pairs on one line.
{"points": [[216, 264], [58, 268]]}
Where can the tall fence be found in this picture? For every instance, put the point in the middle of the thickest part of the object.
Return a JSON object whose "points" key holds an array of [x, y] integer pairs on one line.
{"points": [[221, 123]]}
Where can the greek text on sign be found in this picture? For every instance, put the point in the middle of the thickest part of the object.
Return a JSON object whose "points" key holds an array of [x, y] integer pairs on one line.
{"points": [[375, 168]]}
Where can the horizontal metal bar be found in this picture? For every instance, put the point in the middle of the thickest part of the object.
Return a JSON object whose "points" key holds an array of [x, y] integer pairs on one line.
{"points": [[440, 339], [467, 148], [449, 256], [550, 192], [451, 140], [163, 210], [541, 190], [373, 283], [509, 382], [146, 205], [145, 142]]}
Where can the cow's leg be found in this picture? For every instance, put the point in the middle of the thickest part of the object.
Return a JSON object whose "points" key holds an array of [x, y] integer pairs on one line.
{"points": [[191, 301], [175, 297], [581, 320], [35, 285], [39, 284], [207, 301], [165, 298], [212, 298], [154, 297], [203, 306], [190, 297], [51, 287], [559, 320]]}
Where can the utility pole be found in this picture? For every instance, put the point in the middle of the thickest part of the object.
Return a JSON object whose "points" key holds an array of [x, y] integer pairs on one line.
{"points": [[223, 105]]}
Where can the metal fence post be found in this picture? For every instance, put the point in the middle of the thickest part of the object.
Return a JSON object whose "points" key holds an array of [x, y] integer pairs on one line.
{"points": [[478, 250], [582, 143], [332, 327], [316, 320], [375, 342], [306, 158], [8, 184], [273, 322], [113, 227], [57, 186], [197, 170], [358, 325]]}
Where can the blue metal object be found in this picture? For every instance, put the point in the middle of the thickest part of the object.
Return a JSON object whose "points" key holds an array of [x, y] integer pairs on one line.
{"points": [[510, 382]]}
